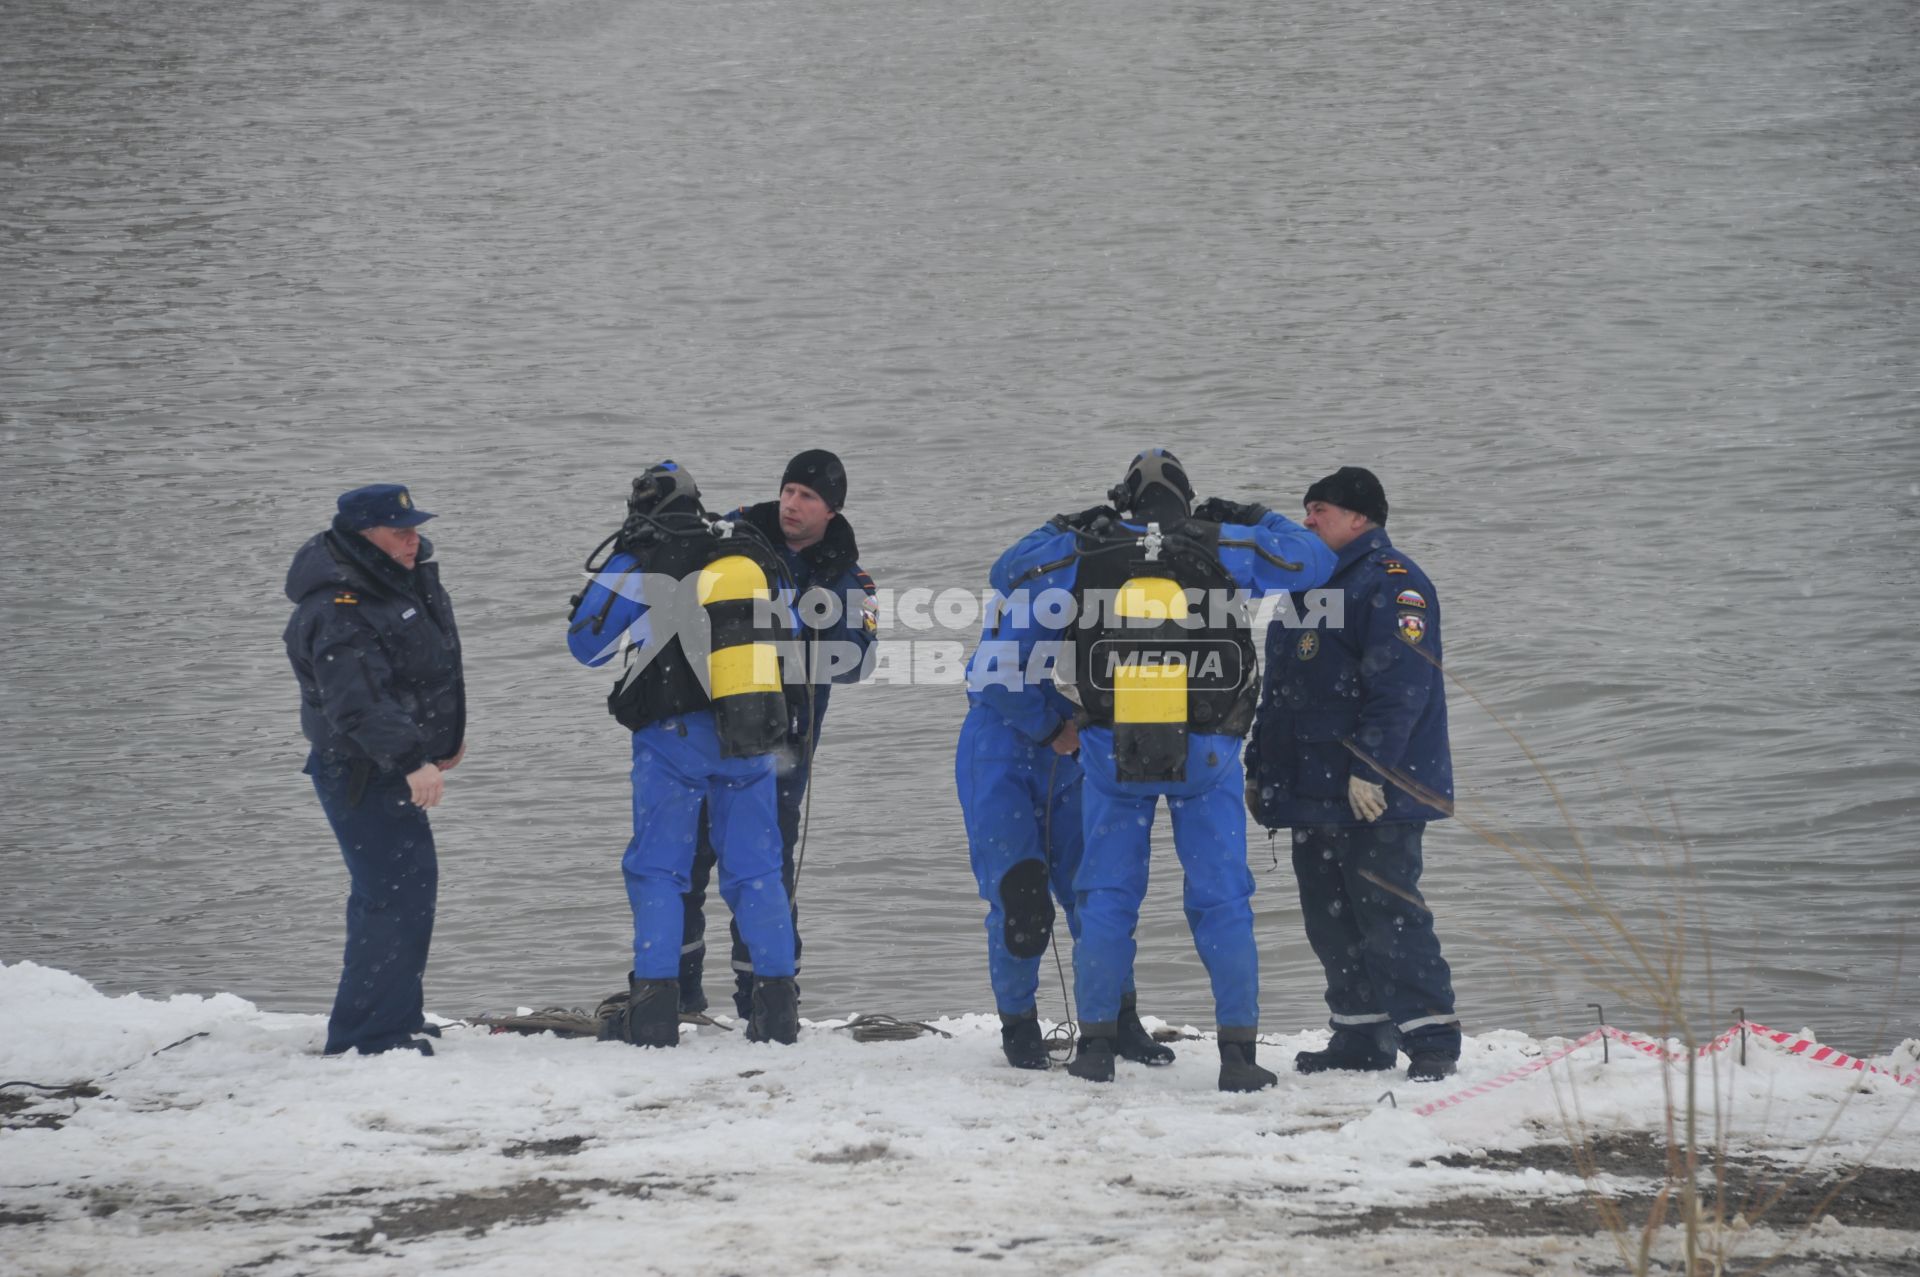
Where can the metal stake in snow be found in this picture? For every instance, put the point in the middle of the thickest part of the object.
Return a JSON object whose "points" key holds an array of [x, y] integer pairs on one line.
{"points": [[1600, 1017]]}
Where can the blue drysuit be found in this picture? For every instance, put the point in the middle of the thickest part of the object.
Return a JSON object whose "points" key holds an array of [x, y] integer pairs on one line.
{"points": [[1366, 698], [1209, 824], [677, 766], [1020, 801]]}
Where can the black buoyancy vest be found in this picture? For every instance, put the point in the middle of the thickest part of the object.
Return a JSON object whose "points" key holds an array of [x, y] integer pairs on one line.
{"points": [[1159, 647], [739, 637]]}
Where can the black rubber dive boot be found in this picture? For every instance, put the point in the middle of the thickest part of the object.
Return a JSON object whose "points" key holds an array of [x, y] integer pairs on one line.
{"points": [[1355, 1049], [1133, 1042], [1238, 1072], [1431, 1066], [1020, 1039], [1093, 1059], [776, 1010], [653, 1012]]}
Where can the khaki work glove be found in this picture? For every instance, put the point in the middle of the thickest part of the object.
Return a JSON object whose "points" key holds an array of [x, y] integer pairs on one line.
{"points": [[1369, 801]]}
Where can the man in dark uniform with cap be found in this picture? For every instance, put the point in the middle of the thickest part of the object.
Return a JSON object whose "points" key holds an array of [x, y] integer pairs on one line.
{"points": [[1349, 750], [383, 703], [838, 618]]}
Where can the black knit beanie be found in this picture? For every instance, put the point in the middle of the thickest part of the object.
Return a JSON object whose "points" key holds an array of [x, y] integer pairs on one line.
{"points": [[820, 470], [1351, 488]]}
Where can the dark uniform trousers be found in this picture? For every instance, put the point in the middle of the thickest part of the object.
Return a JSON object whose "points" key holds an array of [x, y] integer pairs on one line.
{"points": [[1373, 934], [388, 846]]}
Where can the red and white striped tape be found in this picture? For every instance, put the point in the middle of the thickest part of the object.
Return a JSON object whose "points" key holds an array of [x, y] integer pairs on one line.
{"points": [[1509, 1077], [1803, 1048], [1808, 1050]]}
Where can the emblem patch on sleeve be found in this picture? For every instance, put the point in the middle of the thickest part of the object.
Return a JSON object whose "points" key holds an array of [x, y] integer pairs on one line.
{"points": [[1309, 645], [1413, 627], [1411, 598]]}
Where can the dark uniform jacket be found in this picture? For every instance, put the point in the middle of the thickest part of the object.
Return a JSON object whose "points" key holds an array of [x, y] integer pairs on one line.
{"points": [[1367, 699], [833, 564], [376, 653]]}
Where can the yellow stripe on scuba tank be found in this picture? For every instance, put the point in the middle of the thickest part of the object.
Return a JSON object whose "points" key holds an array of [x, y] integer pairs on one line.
{"points": [[744, 668], [1150, 694], [732, 578], [1151, 598]]}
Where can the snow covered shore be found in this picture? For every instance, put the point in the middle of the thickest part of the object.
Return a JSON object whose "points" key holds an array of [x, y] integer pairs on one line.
{"points": [[243, 1150]]}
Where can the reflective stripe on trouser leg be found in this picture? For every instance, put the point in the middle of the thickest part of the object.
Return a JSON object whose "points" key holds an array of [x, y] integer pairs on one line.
{"points": [[1409, 976], [1331, 926], [743, 809], [1359, 892]]}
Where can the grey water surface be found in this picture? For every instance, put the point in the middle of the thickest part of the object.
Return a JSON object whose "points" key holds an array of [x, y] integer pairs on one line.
{"points": [[1618, 298]]}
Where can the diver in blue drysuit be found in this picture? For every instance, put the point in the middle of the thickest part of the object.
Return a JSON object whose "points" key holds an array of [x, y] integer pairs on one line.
{"points": [[1018, 774], [1108, 559], [695, 740]]}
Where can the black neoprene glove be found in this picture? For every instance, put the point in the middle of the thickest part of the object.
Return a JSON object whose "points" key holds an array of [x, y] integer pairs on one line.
{"points": [[1221, 510]]}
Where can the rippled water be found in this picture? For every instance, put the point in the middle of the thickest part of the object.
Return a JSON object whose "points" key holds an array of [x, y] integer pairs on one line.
{"points": [[1619, 300]]}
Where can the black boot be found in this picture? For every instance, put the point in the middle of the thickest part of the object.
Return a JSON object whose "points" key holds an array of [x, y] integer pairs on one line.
{"points": [[1020, 1039], [776, 1010], [693, 997], [1238, 1072], [1355, 1049], [1133, 1042], [1431, 1066], [653, 1012], [1093, 1059]]}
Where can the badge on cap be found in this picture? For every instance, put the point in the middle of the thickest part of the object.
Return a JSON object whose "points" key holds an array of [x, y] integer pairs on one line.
{"points": [[406, 501]]}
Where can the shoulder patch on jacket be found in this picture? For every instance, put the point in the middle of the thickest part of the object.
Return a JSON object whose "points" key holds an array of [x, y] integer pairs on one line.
{"points": [[1413, 626], [1410, 598], [346, 596]]}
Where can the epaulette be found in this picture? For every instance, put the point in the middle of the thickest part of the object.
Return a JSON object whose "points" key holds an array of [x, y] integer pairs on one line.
{"points": [[866, 582], [346, 596]]}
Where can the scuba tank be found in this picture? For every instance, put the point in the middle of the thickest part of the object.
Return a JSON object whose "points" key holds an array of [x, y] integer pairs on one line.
{"points": [[721, 589], [1144, 662]]}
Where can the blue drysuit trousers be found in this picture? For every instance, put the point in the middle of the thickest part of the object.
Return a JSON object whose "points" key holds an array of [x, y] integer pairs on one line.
{"points": [[388, 846], [1210, 837], [1373, 934], [677, 765], [790, 793], [1021, 803]]}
